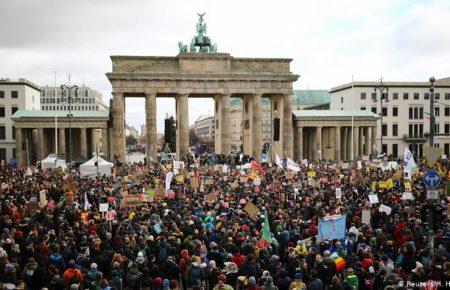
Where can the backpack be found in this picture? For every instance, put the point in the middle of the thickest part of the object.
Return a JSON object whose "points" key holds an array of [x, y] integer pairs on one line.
{"points": [[195, 273], [162, 254], [28, 275]]}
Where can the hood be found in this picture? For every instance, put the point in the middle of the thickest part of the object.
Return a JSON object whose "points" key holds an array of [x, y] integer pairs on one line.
{"points": [[185, 254]]}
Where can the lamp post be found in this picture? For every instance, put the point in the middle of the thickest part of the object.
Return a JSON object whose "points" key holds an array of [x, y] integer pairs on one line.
{"points": [[383, 89], [432, 119], [67, 96]]}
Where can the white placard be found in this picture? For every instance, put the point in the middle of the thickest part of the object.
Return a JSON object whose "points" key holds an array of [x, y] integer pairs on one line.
{"points": [[373, 198], [365, 219], [385, 208], [432, 194], [407, 196], [103, 207], [407, 174], [257, 181], [338, 192], [359, 164], [444, 156]]}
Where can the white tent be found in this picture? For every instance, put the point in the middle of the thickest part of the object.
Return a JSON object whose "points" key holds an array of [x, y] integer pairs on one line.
{"points": [[51, 161], [96, 166]]}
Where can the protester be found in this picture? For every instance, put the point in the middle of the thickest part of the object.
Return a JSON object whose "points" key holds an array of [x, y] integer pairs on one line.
{"points": [[224, 222]]}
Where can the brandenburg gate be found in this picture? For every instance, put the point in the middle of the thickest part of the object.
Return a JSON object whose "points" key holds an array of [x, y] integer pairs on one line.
{"points": [[200, 74]]}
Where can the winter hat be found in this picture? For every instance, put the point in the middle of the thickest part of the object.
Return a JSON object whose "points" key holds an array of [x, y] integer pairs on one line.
{"points": [[252, 281], [166, 283], [93, 266], [298, 276], [158, 281]]}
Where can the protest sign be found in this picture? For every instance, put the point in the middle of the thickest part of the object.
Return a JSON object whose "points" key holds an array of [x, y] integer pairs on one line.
{"points": [[103, 207], [208, 182], [373, 198], [390, 183], [131, 200], [385, 208], [407, 196], [382, 184], [251, 209], [432, 154], [311, 174], [257, 181], [211, 197], [332, 228], [408, 186], [111, 215], [365, 219], [338, 192]]}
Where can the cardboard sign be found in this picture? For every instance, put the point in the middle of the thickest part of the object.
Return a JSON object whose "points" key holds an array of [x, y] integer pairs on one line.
{"points": [[373, 186], [194, 182], [211, 197], [365, 219], [208, 182], [385, 208], [251, 209], [132, 200], [32, 207], [70, 186], [103, 207], [42, 198]]}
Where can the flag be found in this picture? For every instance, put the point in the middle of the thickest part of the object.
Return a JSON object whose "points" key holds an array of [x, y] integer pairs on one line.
{"points": [[290, 164], [278, 161], [169, 176], [266, 228], [442, 172], [87, 205], [409, 159], [332, 228]]}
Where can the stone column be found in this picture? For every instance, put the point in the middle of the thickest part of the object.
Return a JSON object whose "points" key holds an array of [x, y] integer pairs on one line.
{"points": [[355, 142], [367, 145], [360, 142], [105, 142], [40, 144], [337, 143], [318, 147], [299, 143], [277, 105], [247, 123], [256, 128], [118, 115], [182, 116], [287, 125], [373, 138], [20, 153], [62, 141], [83, 143], [345, 147], [225, 124], [150, 127]]}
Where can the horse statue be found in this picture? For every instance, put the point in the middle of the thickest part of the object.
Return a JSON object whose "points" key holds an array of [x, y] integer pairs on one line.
{"points": [[201, 41], [182, 47]]}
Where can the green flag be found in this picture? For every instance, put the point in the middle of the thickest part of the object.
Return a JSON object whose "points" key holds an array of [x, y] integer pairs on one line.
{"points": [[266, 229]]}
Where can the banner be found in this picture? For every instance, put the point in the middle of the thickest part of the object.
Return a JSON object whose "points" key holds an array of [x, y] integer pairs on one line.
{"points": [[291, 165], [332, 228], [278, 161]]}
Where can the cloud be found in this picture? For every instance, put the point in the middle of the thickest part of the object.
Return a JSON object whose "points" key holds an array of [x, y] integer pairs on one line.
{"points": [[328, 40]]}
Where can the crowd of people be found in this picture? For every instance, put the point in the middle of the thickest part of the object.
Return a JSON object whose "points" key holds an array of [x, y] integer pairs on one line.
{"points": [[202, 233]]}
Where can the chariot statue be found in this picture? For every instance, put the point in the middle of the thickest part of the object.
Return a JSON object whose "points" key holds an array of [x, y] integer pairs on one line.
{"points": [[200, 41]]}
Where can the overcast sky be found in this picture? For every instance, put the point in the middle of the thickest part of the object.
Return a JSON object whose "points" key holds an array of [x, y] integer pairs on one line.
{"points": [[329, 40]]}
